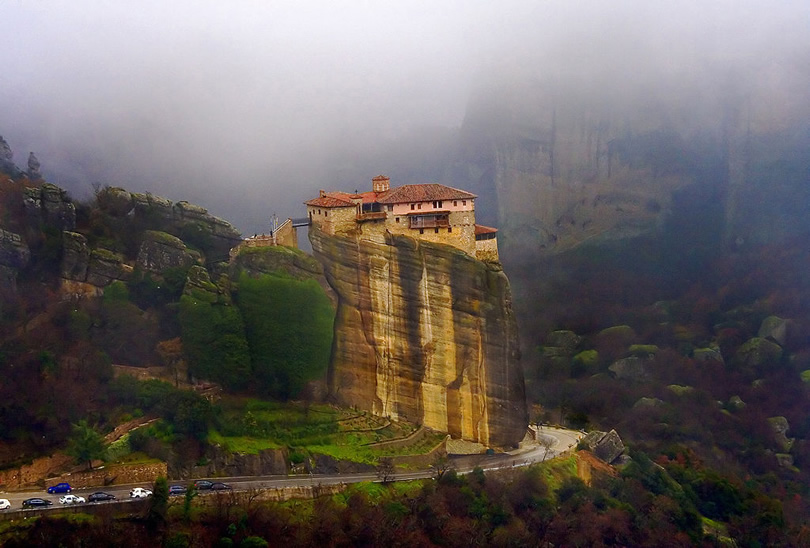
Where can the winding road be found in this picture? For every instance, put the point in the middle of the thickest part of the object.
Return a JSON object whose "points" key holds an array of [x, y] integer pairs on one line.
{"points": [[557, 441]]}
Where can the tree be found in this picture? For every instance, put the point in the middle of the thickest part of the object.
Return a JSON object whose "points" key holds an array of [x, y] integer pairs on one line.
{"points": [[385, 469], [545, 442], [440, 466], [159, 501], [86, 444]]}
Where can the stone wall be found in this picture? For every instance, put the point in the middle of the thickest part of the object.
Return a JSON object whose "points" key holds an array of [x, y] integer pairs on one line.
{"points": [[113, 475], [487, 250]]}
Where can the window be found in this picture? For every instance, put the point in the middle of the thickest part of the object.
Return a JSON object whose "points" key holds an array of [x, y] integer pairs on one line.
{"points": [[436, 230], [390, 207], [325, 213], [440, 203], [463, 202], [397, 219], [449, 229], [413, 207], [419, 206], [421, 231], [455, 203]]}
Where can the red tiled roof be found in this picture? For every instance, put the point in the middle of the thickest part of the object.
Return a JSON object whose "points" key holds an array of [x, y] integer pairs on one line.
{"points": [[422, 193], [481, 229], [330, 201]]}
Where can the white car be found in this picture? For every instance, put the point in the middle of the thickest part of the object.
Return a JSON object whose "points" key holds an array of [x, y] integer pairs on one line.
{"points": [[4, 504], [71, 499], [140, 493]]}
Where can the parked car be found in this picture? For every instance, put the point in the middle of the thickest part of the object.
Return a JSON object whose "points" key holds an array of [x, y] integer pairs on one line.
{"points": [[203, 485], [177, 489], [36, 502], [100, 496], [139, 493], [4, 504], [71, 499], [59, 488], [219, 486]]}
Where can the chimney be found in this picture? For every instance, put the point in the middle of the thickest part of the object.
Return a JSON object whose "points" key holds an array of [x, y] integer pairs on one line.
{"points": [[381, 183], [322, 193]]}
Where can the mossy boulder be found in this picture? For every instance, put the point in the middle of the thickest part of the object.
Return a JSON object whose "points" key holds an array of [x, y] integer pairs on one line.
{"points": [[711, 353], [160, 251], [680, 390], [774, 328], [631, 369], [564, 339], [643, 350], [805, 375], [758, 353]]}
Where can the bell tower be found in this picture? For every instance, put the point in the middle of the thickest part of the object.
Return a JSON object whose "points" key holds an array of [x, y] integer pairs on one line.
{"points": [[381, 183]]}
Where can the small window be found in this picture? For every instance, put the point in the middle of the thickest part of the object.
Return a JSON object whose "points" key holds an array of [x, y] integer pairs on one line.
{"points": [[397, 219], [440, 203], [390, 207], [421, 231], [436, 230], [419, 206], [463, 202], [449, 229], [325, 213], [413, 207], [455, 203], [319, 212]]}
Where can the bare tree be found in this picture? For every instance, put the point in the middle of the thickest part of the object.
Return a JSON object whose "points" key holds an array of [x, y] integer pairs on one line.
{"points": [[546, 442], [440, 466], [385, 469]]}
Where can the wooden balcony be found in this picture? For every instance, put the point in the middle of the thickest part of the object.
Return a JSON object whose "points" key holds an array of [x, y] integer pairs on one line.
{"points": [[370, 216], [429, 221]]}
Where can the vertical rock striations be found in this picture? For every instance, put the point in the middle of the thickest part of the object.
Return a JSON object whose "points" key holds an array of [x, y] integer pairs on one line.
{"points": [[424, 333]]}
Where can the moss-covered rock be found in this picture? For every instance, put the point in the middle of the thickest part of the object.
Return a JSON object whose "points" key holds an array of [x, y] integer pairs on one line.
{"points": [[643, 350], [758, 353]]}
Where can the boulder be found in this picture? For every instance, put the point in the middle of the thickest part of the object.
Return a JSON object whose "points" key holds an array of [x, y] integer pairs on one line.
{"points": [[784, 460], [160, 251], [648, 402], [780, 428], [711, 353], [774, 328], [115, 201], [758, 352], [680, 390], [605, 445], [75, 256], [567, 340], [735, 403], [631, 369], [105, 267]]}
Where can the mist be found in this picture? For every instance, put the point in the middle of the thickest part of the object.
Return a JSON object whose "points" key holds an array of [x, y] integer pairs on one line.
{"points": [[248, 109]]}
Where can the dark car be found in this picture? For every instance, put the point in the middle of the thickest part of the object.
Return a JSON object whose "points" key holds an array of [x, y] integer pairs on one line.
{"points": [[100, 496], [177, 489], [219, 486], [59, 488], [36, 503], [203, 485]]}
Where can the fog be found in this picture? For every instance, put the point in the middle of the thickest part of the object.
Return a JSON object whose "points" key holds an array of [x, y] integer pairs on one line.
{"points": [[248, 108]]}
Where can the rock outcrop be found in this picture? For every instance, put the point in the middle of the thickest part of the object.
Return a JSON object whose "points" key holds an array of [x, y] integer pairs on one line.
{"points": [[607, 446], [50, 204], [14, 255], [425, 333], [160, 251]]}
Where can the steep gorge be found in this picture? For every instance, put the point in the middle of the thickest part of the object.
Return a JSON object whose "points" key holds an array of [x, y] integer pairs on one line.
{"points": [[424, 332]]}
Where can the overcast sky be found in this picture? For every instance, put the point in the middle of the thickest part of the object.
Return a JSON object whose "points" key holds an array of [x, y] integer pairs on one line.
{"points": [[217, 102]]}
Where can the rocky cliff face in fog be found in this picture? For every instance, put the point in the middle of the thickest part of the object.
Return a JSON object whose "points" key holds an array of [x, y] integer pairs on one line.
{"points": [[426, 333], [564, 168]]}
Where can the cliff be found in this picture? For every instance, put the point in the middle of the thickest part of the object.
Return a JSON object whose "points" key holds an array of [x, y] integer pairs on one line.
{"points": [[426, 333]]}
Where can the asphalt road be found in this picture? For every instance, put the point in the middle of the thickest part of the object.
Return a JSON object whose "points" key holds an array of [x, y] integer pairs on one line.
{"points": [[558, 441]]}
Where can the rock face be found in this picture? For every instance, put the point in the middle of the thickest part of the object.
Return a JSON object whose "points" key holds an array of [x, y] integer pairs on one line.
{"points": [[160, 251], [14, 255], [50, 204], [426, 333], [606, 446]]}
